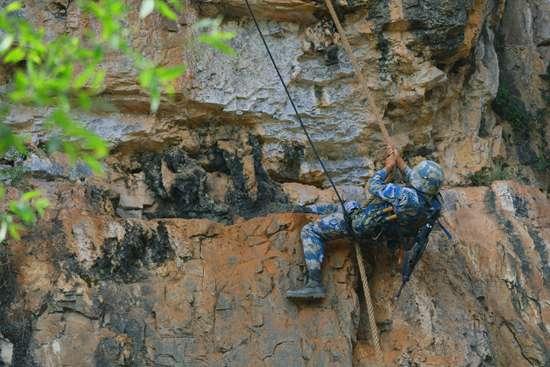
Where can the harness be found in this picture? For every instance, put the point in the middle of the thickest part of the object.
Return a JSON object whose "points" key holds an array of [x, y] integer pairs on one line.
{"points": [[371, 224], [379, 216]]}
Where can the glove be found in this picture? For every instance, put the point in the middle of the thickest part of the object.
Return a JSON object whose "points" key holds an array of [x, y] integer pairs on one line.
{"points": [[351, 205]]}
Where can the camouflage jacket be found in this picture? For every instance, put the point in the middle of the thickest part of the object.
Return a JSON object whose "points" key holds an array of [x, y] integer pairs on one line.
{"points": [[414, 211]]}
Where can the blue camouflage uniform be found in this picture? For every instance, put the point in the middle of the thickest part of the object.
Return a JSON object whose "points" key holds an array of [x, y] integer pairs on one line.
{"points": [[413, 209]]}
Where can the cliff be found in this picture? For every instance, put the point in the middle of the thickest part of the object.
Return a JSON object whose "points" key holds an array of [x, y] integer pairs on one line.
{"points": [[182, 253]]}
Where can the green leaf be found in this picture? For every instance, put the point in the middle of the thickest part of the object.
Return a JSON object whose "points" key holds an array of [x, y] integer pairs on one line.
{"points": [[23, 211], [34, 57], [176, 4], [8, 140], [13, 230], [40, 206], [14, 6], [213, 36], [169, 89], [84, 76], [169, 73], [84, 101], [6, 42], [147, 7], [217, 41], [94, 165], [145, 78], [97, 83], [165, 10], [61, 119], [14, 56], [98, 145], [29, 195], [70, 150]]}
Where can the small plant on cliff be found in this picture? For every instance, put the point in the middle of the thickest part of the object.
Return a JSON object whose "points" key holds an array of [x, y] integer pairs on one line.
{"points": [[498, 171], [527, 127], [63, 73], [512, 109]]}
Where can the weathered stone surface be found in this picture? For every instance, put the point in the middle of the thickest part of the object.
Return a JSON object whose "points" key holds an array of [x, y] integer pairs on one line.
{"points": [[6, 352], [175, 256], [282, 10], [196, 292], [431, 66]]}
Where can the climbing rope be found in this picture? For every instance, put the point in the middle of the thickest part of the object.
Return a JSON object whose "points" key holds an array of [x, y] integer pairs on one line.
{"points": [[379, 116], [315, 152], [357, 69], [387, 139]]}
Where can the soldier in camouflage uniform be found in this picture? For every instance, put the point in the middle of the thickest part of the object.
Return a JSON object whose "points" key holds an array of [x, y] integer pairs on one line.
{"points": [[402, 214]]}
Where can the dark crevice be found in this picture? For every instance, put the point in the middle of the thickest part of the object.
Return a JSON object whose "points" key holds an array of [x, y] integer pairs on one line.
{"points": [[221, 179], [124, 260], [15, 322], [542, 250]]}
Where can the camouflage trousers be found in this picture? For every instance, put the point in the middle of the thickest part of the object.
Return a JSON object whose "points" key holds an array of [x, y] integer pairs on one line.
{"points": [[331, 226]]}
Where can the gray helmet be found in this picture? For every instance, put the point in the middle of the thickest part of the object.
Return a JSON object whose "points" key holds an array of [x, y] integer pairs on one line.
{"points": [[427, 177]]}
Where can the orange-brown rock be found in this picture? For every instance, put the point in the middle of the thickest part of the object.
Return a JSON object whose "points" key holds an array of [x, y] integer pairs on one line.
{"points": [[180, 255], [84, 289]]}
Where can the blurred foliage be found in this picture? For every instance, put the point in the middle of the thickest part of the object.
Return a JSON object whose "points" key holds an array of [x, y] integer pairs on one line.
{"points": [[211, 34], [64, 73], [12, 176]]}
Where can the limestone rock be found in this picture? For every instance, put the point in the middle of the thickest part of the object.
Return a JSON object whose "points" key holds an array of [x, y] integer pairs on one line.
{"points": [[6, 352], [301, 194], [432, 67], [43, 166], [287, 10], [134, 193]]}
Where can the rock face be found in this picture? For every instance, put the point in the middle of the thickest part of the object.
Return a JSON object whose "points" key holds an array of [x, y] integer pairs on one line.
{"points": [[182, 253], [462, 82], [84, 289]]}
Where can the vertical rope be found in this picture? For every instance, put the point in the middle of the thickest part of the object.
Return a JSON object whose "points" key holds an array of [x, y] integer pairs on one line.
{"points": [[370, 307], [387, 139], [378, 115], [362, 81], [315, 152]]}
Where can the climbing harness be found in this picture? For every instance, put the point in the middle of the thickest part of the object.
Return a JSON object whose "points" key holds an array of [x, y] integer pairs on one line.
{"points": [[387, 139]]}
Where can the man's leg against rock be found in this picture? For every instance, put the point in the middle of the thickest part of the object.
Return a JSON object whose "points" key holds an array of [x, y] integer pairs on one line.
{"points": [[314, 235], [323, 208]]}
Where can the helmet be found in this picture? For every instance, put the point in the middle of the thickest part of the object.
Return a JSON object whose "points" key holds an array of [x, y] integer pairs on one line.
{"points": [[427, 177]]}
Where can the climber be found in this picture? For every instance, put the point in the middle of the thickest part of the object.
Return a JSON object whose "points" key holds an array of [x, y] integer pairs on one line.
{"points": [[399, 214]]}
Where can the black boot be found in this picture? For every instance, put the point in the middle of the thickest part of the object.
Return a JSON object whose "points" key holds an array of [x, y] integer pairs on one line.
{"points": [[312, 290]]}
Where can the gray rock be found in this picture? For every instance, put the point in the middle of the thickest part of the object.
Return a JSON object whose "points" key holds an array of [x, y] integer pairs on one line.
{"points": [[438, 25], [6, 352], [43, 167], [129, 213]]}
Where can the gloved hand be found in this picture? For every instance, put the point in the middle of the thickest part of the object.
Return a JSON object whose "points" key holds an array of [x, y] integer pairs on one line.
{"points": [[351, 205], [390, 161]]}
